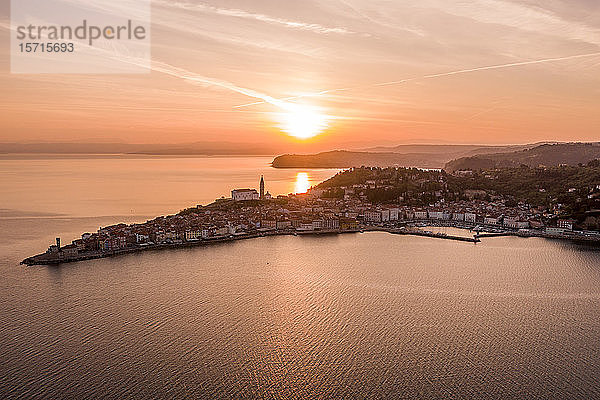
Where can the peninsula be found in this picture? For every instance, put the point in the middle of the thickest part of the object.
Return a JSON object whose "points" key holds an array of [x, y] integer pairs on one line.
{"points": [[559, 202]]}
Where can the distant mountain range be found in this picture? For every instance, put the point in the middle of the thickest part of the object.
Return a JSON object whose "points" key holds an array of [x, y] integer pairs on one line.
{"points": [[196, 148], [542, 155]]}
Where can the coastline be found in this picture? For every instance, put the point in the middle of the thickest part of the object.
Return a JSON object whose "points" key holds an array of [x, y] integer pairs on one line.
{"points": [[410, 228]]}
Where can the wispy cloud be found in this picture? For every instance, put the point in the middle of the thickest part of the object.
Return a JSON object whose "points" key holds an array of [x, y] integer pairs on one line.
{"points": [[238, 13], [519, 16]]}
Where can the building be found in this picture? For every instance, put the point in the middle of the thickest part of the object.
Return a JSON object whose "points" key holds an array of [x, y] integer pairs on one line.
{"points": [[458, 216], [284, 224], [305, 226], [439, 215], [244, 194], [420, 214], [348, 224], [490, 221], [268, 223], [434, 214], [112, 243], [193, 235], [566, 224], [385, 215], [70, 251], [372, 216], [331, 223], [140, 238], [470, 217], [510, 222]]}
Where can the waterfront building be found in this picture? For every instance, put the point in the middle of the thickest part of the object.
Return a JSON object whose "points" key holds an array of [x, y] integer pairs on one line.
{"points": [[566, 224], [268, 223], [385, 215], [222, 231], [331, 223], [140, 238], [420, 214], [283, 224], [372, 216], [490, 221], [434, 214], [305, 226], [193, 235], [70, 251], [470, 217], [458, 216], [348, 224], [510, 222]]}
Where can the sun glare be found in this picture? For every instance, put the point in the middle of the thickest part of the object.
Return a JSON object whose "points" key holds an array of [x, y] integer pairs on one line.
{"points": [[303, 122], [302, 183]]}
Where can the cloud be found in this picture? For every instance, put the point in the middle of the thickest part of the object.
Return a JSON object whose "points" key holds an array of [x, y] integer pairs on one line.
{"points": [[519, 16], [238, 13]]}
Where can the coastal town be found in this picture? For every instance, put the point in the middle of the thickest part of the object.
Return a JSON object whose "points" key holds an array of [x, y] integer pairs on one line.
{"points": [[334, 207]]}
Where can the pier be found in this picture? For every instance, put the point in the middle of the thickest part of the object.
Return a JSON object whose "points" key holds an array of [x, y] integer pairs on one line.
{"points": [[417, 232]]}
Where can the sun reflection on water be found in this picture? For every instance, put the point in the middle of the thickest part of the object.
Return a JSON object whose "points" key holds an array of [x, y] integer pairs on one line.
{"points": [[302, 183]]}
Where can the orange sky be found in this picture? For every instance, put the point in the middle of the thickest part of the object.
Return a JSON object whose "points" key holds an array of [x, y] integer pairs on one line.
{"points": [[284, 49]]}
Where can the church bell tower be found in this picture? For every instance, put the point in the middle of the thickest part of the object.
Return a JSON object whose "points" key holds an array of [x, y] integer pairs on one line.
{"points": [[262, 187]]}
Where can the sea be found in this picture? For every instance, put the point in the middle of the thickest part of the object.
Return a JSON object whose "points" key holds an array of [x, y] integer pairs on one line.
{"points": [[354, 316]]}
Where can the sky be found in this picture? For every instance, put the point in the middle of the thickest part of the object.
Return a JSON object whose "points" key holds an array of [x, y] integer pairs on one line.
{"points": [[347, 72]]}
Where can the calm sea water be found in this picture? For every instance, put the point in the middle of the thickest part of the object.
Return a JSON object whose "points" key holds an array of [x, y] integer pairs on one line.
{"points": [[353, 316]]}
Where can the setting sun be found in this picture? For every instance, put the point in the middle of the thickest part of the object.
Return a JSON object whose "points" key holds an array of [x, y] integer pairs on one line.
{"points": [[303, 122]]}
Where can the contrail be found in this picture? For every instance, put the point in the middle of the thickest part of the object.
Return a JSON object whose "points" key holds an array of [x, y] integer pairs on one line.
{"points": [[195, 78], [500, 66], [432, 76], [181, 73]]}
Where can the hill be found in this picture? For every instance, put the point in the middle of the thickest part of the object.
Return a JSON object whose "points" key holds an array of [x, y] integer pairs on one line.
{"points": [[460, 150], [411, 155], [543, 155], [347, 159]]}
